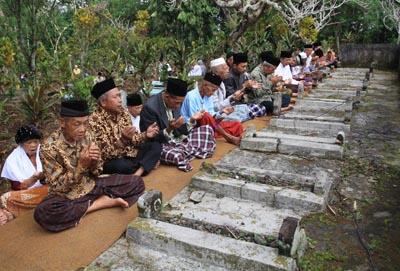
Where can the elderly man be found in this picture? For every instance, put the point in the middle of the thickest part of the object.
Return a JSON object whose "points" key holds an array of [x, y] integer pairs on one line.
{"points": [[124, 149], [200, 100], [263, 74], [181, 141], [72, 164], [239, 81]]}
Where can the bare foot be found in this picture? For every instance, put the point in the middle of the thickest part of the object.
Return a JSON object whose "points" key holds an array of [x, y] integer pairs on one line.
{"points": [[286, 109], [139, 172], [234, 140], [107, 202], [121, 202], [157, 164], [5, 216]]}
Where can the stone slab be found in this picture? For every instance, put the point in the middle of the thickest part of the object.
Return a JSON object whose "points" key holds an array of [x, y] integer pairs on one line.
{"points": [[330, 117], [124, 255], [242, 215], [297, 146], [331, 128], [280, 170], [302, 201], [209, 248], [271, 134], [323, 105]]}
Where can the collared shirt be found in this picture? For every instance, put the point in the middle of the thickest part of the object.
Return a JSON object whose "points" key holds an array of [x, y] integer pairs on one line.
{"points": [[286, 73], [60, 165], [265, 92], [219, 98], [308, 60], [107, 129], [135, 122], [235, 82], [194, 102]]}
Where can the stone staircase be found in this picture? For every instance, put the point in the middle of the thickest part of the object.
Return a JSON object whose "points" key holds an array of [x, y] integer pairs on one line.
{"points": [[243, 212]]}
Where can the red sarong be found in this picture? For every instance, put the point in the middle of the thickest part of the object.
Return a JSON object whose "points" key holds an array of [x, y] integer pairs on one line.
{"points": [[234, 128]]}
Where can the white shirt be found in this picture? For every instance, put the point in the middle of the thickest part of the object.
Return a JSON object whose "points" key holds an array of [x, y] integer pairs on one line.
{"points": [[286, 73], [308, 61], [219, 100], [135, 122]]}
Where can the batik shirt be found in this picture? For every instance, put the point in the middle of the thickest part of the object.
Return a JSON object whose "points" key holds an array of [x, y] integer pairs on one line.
{"points": [[107, 129], [65, 176]]}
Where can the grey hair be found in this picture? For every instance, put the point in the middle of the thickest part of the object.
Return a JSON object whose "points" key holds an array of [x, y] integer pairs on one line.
{"points": [[102, 98]]}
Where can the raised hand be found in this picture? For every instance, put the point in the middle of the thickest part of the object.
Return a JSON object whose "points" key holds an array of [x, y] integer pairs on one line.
{"points": [[228, 110], [175, 124], [94, 152], [128, 132], [197, 116], [152, 130], [238, 95]]}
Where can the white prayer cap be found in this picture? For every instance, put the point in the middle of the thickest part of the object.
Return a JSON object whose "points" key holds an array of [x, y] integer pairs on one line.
{"points": [[302, 55], [217, 62]]}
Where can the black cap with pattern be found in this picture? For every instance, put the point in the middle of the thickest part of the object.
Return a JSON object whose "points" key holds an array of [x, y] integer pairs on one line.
{"points": [[26, 133]]}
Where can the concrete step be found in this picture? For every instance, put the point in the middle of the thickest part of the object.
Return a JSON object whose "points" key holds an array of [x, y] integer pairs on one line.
{"points": [[303, 202], [293, 145], [328, 116], [334, 94], [240, 215], [124, 255], [307, 127], [271, 134], [341, 84], [206, 247], [306, 174], [323, 105]]}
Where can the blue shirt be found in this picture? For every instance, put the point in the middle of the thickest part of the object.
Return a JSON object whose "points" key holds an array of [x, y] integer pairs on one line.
{"points": [[194, 103]]}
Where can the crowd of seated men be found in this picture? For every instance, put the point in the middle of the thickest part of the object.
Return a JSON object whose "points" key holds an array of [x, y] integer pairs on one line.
{"points": [[96, 160]]}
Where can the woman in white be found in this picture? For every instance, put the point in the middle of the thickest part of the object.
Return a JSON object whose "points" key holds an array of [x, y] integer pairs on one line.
{"points": [[23, 169]]}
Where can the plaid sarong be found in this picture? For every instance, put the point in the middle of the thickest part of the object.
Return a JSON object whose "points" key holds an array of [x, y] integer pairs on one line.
{"points": [[200, 143], [256, 110]]}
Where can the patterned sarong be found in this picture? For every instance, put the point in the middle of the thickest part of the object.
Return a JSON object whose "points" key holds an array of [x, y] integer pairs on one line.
{"points": [[200, 143]]}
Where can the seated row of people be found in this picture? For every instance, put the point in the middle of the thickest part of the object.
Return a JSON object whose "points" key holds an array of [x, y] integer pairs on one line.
{"points": [[95, 161]]}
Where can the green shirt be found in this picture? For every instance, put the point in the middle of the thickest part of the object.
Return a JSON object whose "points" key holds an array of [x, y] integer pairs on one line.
{"points": [[265, 92]]}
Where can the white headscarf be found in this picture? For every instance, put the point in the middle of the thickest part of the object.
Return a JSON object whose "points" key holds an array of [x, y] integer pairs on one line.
{"points": [[18, 166]]}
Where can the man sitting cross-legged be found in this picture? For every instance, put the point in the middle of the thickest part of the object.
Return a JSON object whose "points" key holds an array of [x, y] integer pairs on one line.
{"points": [[200, 100], [285, 72], [124, 149], [72, 164], [181, 141], [263, 74]]}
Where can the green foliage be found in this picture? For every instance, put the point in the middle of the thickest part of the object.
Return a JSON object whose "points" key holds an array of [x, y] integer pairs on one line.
{"points": [[307, 31], [36, 105], [359, 25]]}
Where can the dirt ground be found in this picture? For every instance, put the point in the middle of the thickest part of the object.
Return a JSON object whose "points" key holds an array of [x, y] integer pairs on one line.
{"points": [[361, 231]]}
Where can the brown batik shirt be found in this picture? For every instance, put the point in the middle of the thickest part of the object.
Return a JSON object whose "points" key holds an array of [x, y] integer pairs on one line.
{"points": [[60, 166], [107, 130]]}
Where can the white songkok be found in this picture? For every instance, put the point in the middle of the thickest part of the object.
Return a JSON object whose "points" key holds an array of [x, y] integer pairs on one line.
{"points": [[217, 62]]}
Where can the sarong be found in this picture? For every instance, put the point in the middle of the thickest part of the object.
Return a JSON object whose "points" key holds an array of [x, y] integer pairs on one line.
{"points": [[57, 213], [200, 143], [233, 128]]}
